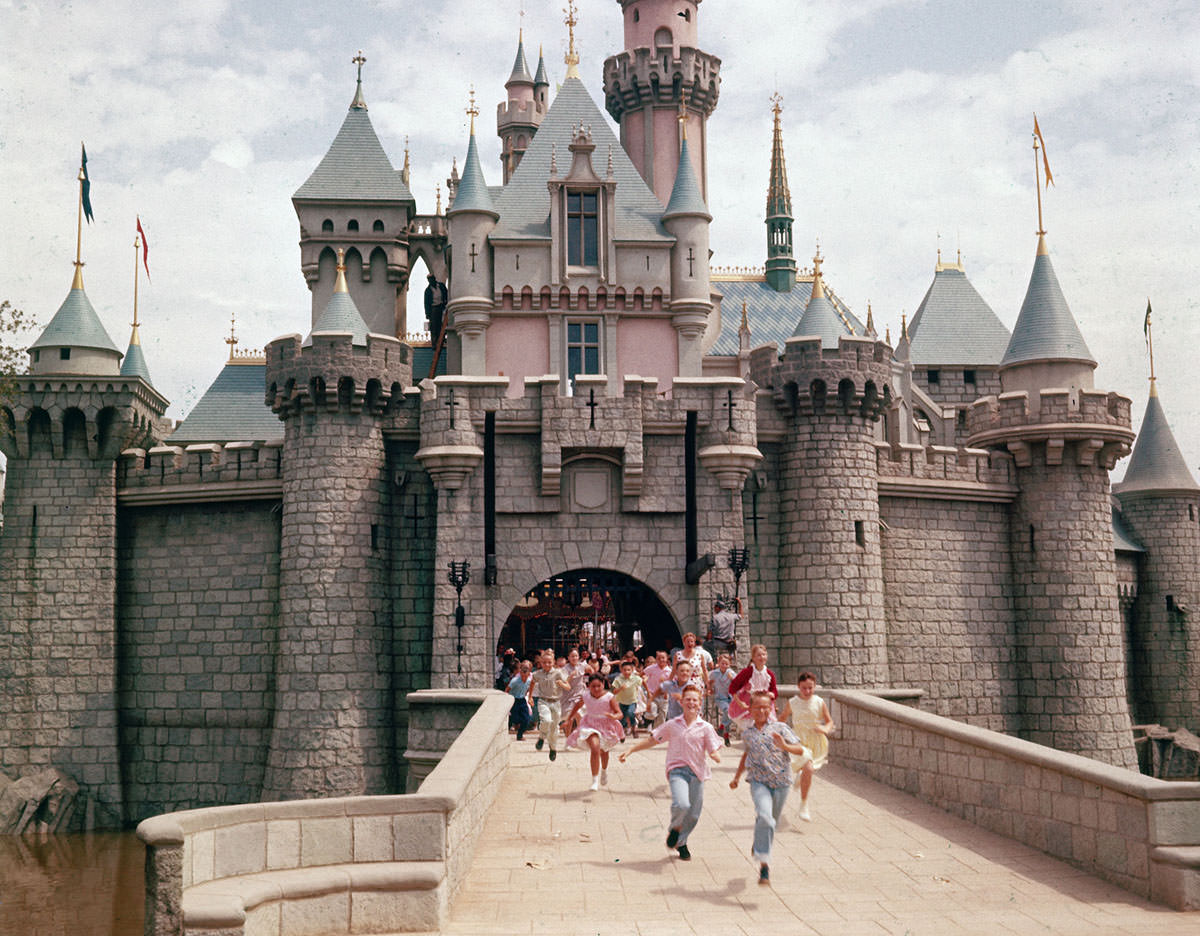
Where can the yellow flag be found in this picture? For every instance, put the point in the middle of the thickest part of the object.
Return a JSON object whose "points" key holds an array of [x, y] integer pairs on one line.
{"points": [[1045, 162]]}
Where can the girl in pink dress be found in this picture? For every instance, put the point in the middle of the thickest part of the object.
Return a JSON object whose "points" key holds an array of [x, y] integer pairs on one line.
{"points": [[600, 728], [754, 678]]}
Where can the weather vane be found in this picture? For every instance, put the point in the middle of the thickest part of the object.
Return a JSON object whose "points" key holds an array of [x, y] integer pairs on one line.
{"points": [[572, 58], [472, 110]]}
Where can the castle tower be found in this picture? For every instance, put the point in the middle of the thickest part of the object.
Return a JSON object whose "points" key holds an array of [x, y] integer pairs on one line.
{"points": [[62, 435], [518, 118], [781, 265], [687, 218], [471, 219], [661, 70], [1160, 502], [333, 734], [356, 202], [1065, 438], [831, 388]]}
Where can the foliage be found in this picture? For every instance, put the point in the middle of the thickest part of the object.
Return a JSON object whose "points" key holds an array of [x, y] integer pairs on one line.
{"points": [[14, 360]]}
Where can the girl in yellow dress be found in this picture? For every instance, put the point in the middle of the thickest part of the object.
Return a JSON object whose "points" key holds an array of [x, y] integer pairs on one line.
{"points": [[809, 718]]}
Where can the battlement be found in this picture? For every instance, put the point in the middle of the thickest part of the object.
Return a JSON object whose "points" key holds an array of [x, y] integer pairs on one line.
{"points": [[811, 379], [519, 113], [334, 373], [948, 471], [640, 77], [172, 473]]}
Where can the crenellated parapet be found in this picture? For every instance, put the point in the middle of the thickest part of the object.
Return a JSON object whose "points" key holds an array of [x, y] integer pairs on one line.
{"points": [[853, 379], [1095, 423], [201, 472], [645, 77], [81, 417], [945, 472], [333, 373]]}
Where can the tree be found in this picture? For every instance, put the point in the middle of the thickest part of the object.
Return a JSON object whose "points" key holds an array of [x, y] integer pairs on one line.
{"points": [[13, 358]]}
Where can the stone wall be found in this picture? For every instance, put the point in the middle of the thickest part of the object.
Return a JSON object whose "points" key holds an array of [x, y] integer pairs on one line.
{"points": [[198, 599]]}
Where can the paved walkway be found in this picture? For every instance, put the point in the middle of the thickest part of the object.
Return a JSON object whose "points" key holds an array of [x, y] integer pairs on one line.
{"points": [[556, 858]]}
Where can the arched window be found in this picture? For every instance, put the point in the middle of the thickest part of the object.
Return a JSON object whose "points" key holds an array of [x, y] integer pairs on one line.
{"points": [[377, 227], [662, 37], [352, 224], [327, 226]]}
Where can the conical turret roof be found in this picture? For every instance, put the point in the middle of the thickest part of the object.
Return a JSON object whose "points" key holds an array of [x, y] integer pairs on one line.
{"points": [[954, 325], [355, 168], [541, 77], [779, 196], [1045, 329], [1157, 463], [134, 362], [76, 324], [472, 194], [821, 318], [340, 313], [520, 70], [685, 195]]}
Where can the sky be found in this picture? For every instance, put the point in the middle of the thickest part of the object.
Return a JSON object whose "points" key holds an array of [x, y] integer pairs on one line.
{"points": [[907, 126]]}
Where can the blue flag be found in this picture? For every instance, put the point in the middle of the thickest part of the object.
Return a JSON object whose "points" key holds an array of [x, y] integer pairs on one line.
{"points": [[86, 190]]}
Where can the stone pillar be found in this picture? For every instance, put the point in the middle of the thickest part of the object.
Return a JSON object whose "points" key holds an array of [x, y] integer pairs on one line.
{"points": [[58, 575], [332, 733], [830, 567]]}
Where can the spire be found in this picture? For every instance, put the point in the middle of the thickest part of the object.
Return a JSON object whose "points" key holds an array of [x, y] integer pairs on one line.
{"points": [[780, 266], [541, 78], [472, 192], [359, 103], [821, 318], [340, 313], [1157, 463], [520, 70], [1046, 329], [685, 196], [572, 57], [870, 329]]}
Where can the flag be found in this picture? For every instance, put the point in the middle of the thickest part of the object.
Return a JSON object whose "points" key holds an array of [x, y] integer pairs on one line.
{"points": [[1146, 324], [1045, 161], [145, 248], [86, 190]]}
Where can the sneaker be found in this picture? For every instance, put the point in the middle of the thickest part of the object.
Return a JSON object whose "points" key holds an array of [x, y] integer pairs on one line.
{"points": [[672, 838], [684, 854], [520, 736], [540, 743], [804, 813], [595, 784], [553, 753], [727, 739], [604, 778], [764, 875]]}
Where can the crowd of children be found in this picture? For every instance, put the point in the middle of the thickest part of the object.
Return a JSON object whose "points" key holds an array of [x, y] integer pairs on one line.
{"points": [[781, 748]]}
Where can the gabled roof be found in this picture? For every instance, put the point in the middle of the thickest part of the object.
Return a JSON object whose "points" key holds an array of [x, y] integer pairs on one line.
{"points": [[772, 315], [134, 362], [524, 205], [473, 193], [355, 168], [1157, 463], [954, 325], [76, 325], [233, 409], [685, 194], [1045, 329]]}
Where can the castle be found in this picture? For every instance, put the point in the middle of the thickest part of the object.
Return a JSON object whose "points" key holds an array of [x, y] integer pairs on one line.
{"points": [[234, 608]]}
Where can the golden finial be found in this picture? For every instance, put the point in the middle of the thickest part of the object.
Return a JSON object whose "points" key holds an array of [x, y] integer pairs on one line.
{"points": [[340, 286], [572, 57], [472, 110], [745, 322], [359, 103], [904, 326], [682, 115], [818, 288], [438, 211], [887, 336], [776, 104], [232, 339]]}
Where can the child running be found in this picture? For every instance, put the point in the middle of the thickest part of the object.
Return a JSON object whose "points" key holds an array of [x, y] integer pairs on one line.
{"points": [[518, 688], [718, 684], [765, 760], [600, 727], [689, 738], [670, 691], [810, 719], [549, 684], [626, 688], [754, 678]]}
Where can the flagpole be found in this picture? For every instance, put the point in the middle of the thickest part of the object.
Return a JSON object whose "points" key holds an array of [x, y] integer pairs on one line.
{"points": [[136, 245], [1150, 342], [1037, 184], [79, 227]]}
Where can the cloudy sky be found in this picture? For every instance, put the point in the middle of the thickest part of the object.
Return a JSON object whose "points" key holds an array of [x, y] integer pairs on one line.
{"points": [[904, 121]]}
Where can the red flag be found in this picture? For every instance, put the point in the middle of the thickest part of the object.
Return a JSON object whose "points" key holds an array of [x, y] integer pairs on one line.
{"points": [[145, 248]]}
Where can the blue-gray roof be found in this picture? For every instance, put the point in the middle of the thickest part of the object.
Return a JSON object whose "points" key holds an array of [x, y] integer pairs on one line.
{"points": [[422, 357], [341, 315], [356, 168], [772, 315], [472, 193], [1156, 464], [520, 69], [1123, 538], [524, 206], [541, 78], [954, 325], [75, 325], [231, 410], [821, 318], [1045, 329], [685, 194], [134, 362]]}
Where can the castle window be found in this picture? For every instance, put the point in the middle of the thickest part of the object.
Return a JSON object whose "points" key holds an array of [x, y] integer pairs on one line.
{"points": [[64, 354], [37, 356], [934, 377], [352, 224], [377, 227], [327, 226], [962, 419], [583, 348], [637, 16], [583, 226], [1191, 509], [860, 533], [969, 377]]}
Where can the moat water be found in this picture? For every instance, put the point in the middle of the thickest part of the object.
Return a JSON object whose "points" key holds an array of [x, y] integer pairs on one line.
{"points": [[71, 885]]}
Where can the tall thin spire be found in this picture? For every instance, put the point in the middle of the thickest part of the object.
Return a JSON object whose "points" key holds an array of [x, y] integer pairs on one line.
{"points": [[572, 57], [359, 102], [781, 265]]}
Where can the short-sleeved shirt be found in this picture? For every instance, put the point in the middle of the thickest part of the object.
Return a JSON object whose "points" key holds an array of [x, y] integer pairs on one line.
{"points": [[674, 706], [721, 682], [765, 762], [724, 624], [545, 684], [687, 744], [654, 676], [626, 690], [519, 687]]}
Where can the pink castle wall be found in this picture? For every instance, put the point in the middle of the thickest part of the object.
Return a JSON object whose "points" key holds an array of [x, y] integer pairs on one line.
{"points": [[518, 347]]}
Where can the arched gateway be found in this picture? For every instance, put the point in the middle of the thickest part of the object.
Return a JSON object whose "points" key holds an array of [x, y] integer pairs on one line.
{"points": [[599, 608]]}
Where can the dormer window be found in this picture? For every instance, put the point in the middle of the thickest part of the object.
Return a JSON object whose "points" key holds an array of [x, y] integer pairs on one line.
{"points": [[583, 229]]}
